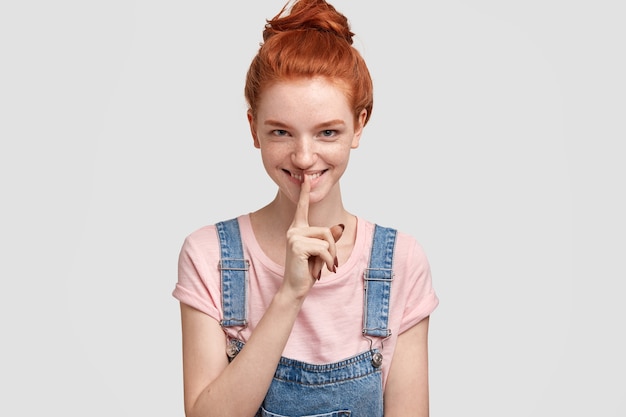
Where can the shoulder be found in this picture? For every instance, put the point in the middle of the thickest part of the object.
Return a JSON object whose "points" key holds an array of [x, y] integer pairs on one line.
{"points": [[409, 254], [405, 244], [207, 236], [204, 237], [203, 240], [408, 246]]}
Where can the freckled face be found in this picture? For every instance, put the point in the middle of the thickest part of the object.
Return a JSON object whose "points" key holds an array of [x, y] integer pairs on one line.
{"points": [[305, 127]]}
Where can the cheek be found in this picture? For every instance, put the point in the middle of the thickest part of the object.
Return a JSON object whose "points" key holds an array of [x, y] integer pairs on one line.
{"points": [[273, 155], [340, 153]]}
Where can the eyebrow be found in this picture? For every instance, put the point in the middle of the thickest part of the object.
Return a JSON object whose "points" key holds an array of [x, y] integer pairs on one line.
{"points": [[323, 125]]}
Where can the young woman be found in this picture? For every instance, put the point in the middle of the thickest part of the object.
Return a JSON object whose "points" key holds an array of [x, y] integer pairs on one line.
{"points": [[302, 308]]}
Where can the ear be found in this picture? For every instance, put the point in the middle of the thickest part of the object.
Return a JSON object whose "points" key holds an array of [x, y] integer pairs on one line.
{"points": [[252, 124], [358, 129]]}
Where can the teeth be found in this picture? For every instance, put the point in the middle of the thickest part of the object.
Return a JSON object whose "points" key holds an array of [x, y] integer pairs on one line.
{"points": [[312, 176]]}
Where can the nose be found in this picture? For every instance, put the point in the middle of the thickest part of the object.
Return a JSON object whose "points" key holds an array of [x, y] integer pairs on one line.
{"points": [[304, 154]]}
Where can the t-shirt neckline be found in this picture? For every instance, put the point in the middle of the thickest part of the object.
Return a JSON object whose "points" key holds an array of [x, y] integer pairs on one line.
{"points": [[252, 245]]}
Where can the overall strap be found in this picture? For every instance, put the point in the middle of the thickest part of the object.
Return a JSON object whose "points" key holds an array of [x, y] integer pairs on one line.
{"points": [[234, 274], [378, 277]]}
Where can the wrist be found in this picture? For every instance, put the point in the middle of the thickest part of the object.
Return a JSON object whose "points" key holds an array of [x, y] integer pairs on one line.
{"points": [[287, 299]]}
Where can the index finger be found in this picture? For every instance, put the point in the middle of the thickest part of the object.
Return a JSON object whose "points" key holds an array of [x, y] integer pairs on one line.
{"points": [[301, 216]]}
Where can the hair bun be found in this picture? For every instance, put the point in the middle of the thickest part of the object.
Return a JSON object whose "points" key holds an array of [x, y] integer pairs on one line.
{"points": [[309, 15]]}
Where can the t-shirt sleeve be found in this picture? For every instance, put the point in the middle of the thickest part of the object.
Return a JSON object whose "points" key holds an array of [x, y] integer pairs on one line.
{"points": [[198, 282], [421, 299]]}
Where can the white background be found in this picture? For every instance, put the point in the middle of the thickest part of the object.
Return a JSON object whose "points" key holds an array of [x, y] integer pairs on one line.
{"points": [[495, 140]]}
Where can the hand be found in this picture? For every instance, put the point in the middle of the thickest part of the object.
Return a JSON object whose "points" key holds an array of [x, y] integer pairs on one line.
{"points": [[308, 248]]}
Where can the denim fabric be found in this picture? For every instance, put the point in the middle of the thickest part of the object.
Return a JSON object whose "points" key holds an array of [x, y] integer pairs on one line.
{"points": [[352, 387], [234, 272], [349, 388], [378, 277]]}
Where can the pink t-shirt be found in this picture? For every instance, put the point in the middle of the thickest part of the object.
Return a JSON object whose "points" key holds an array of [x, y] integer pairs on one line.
{"points": [[329, 326]]}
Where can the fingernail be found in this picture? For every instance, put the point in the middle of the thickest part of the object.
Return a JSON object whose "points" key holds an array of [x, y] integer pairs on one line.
{"points": [[319, 275], [334, 269], [336, 262]]}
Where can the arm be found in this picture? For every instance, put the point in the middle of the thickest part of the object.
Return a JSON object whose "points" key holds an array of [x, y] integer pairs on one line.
{"points": [[406, 390], [212, 387]]}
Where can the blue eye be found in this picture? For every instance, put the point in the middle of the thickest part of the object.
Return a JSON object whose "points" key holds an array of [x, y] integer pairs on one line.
{"points": [[328, 133], [279, 132]]}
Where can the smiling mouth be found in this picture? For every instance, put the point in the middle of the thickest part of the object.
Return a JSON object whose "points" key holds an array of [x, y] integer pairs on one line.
{"points": [[298, 176]]}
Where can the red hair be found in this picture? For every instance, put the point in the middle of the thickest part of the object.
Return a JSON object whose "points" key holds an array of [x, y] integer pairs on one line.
{"points": [[310, 40]]}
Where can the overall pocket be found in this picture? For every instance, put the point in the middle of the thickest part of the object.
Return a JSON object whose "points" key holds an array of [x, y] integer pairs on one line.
{"points": [[341, 413]]}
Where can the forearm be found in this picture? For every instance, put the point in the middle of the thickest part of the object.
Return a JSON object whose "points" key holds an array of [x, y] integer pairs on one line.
{"points": [[242, 385]]}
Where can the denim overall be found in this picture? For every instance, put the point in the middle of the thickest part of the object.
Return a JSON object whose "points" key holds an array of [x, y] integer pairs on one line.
{"points": [[349, 388]]}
